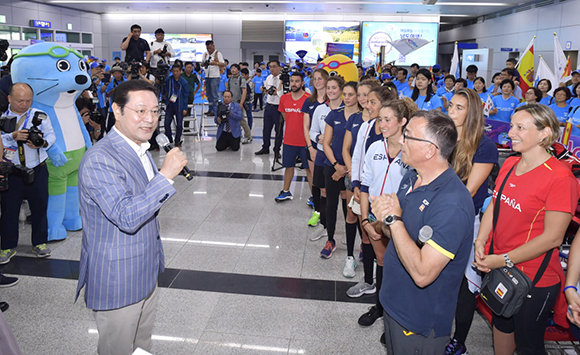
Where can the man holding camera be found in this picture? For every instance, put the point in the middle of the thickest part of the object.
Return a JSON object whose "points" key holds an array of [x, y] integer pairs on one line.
{"points": [[26, 147], [229, 116], [238, 86], [108, 89], [143, 74], [136, 48], [213, 61], [272, 86], [162, 51]]}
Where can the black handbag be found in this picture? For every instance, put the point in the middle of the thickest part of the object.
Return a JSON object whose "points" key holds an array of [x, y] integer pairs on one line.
{"points": [[505, 289]]}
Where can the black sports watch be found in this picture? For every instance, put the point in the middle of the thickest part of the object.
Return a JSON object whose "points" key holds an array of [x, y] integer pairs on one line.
{"points": [[390, 219]]}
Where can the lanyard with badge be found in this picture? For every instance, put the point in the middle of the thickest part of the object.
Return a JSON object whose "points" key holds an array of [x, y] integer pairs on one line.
{"points": [[173, 97], [9, 152]]}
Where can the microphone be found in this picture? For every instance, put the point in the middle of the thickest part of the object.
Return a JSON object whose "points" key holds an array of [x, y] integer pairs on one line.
{"points": [[425, 233], [163, 141]]}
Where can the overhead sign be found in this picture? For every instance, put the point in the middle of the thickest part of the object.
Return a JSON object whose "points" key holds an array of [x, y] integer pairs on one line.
{"points": [[40, 23]]}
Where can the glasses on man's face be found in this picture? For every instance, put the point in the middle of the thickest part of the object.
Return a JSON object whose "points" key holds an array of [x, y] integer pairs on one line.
{"points": [[143, 113], [405, 137]]}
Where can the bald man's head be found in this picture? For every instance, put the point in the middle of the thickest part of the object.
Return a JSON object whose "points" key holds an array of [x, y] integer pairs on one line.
{"points": [[20, 98]]}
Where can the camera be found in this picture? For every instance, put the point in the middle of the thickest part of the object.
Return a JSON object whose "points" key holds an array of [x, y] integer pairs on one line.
{"points": [[7, 168], [135, 65], [223, 111], [96, 117], [205, 63], [271, 90], [285, 78], [164, 50], [34, 133], [4, 44]]}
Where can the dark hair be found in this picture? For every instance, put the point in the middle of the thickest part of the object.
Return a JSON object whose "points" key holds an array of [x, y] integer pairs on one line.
{"points": [[574, 90], [258, 70], [537, 92], [208, 42], [426, 73], [482, 81], [385, 94], [116, 58], [297, 73], [547, 81], [245, 71], [274, 61], [511, 60], [495, 76], [227, 90], [415, 65], [391, 85], [507, 81], [440, 129], [135, 26], [121, 93], [472, 68], [12, 88], [508, 71], [353, 85], [461, 80], [237, 66], [452, 77], [188, 63], [83, 102], [566, 91], [245, 64], [159, 30], [405, 72], [176, 66]]}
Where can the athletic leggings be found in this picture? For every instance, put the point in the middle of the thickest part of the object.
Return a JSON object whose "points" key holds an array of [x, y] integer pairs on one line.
{"points": [[333, 189]]}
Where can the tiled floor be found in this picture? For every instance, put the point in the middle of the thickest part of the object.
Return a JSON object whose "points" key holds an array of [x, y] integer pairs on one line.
{"points": [[242, 276]]}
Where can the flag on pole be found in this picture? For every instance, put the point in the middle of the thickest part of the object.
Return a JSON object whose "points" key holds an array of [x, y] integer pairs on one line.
{"points": [[544, 72], [526, 67], [562, 65], [487, 106], [455, 63], [567, 132]]}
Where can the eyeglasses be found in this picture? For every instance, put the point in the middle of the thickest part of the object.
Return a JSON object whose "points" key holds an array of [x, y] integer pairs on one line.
{"points": [[54, 51], [405, 136], [143, 113], [332, 65]]}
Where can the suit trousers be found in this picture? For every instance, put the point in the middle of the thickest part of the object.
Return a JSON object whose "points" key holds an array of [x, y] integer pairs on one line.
{"points": [[37, 196], [227, 140], [271, 120], [123, 330], [173, 110]]}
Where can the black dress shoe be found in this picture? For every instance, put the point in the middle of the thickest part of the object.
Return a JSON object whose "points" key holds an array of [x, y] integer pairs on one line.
{"points": [[3, 306], [210, 114], [262, 152], [383, 340]]}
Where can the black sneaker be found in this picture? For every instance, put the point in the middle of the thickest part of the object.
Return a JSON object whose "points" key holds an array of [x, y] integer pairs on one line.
{"points": [[3, 306], [383, 340], [370, 317], [7, 281]]}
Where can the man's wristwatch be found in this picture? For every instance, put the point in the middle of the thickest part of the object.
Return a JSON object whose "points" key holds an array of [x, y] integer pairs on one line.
{"points": [[508, 261], [390, 219]]}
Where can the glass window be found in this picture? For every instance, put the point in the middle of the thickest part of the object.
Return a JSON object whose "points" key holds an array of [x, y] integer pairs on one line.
{"points": [[70, 37], [29, 33], [46, 35], [10, 33], [87, 38], [86, 53]]}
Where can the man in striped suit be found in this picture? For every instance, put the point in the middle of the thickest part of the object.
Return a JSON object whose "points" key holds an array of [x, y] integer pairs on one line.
{"points": [[121, 192]]}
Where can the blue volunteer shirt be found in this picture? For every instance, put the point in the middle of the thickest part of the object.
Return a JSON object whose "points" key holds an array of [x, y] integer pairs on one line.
{"points": [[433, 103], [548, 100], [446, 206], [400, 86], [505, 108], [258, 81]]}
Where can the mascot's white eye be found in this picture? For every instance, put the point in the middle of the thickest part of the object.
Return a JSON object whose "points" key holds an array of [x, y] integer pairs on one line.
{"points": [[332, 73], [82, 65], [63, 65]]}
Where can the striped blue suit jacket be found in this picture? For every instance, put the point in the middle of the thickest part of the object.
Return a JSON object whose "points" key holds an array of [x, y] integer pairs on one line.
{"points": [[121, 254]]}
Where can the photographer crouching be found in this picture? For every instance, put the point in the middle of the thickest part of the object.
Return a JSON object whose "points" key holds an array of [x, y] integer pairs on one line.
{"points": [[228, 118], [26, 135]]}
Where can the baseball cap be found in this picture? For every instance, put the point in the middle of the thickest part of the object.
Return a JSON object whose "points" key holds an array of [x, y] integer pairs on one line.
{"points": [[104, 60], [436, 67], [576, 72], [94, 65]]}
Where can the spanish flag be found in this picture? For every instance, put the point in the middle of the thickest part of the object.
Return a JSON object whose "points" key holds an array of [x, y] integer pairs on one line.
{"points": [[526, 67], [567, 131]]}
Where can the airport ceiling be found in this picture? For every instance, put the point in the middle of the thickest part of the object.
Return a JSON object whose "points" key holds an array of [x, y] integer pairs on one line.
{"points": [[454, 11]]}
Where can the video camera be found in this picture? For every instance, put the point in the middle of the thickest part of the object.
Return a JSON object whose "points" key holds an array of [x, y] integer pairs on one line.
{"points": [[285, 78], [7, 168], [223, 111], [3, 47], [135, 65]]}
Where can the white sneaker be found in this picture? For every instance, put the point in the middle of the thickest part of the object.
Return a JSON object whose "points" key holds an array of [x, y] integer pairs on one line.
{"points": [[349, 267], [247, 140], [319, 236]]}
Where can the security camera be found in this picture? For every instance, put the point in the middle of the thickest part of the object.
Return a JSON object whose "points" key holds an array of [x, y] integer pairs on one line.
{"points": [[267, 5]]}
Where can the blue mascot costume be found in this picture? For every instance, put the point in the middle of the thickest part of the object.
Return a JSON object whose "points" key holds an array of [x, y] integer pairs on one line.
{"points": [[57, 76]]}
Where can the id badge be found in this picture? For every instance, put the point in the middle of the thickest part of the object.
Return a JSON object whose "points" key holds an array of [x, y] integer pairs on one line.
{"points": [[9, 153], [173, 98]]}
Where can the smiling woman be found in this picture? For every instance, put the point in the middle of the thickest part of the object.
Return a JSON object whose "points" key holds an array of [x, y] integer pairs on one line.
{"points": [[530, 226]]}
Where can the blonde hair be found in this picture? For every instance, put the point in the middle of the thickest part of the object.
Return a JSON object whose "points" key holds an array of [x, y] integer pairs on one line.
{"points": [[462, 157], [543, 117]]}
